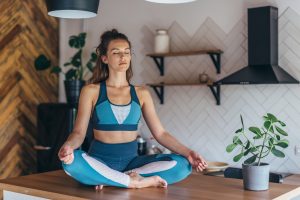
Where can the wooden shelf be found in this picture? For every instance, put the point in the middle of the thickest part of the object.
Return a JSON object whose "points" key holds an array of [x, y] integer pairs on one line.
{"points": [[215, 56], [159, 89], [158, 58], [185, 53]]}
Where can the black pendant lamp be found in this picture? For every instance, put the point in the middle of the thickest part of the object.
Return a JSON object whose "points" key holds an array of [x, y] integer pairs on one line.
{"points": [[72, 9]]}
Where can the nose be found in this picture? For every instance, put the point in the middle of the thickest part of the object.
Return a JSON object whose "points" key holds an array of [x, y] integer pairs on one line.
{"points": [[122, 56]]}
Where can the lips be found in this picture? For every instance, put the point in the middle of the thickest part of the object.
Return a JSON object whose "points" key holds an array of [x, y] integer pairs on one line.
{"points": [[122, 63]]}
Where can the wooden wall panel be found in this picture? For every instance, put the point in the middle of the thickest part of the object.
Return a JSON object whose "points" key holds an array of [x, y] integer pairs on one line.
{"points": [[25, 32]]}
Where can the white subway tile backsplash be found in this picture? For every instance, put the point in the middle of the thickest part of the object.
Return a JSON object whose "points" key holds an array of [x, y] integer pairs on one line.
{"points": [[190, 113]]}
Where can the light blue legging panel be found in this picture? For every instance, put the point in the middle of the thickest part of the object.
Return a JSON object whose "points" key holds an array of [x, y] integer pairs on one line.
{"points": [[91, 171], [179, 171]]}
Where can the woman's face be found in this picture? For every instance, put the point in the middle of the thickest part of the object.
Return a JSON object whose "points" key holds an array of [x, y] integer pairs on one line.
{"points": [[118, 55]]}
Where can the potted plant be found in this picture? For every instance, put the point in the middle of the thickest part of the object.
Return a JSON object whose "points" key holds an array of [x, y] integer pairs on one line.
{"points": [[74, 70], [256, 144]]}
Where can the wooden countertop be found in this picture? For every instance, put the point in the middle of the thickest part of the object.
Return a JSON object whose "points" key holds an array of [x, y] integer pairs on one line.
{"points": [[57, 185]]}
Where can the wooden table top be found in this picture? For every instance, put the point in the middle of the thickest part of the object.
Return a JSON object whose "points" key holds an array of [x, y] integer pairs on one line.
{"points": [[57, 185]]}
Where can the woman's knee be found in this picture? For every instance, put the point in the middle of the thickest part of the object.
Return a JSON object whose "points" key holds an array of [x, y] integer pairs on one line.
{"points": [[90, 171], [183, 166], [181, 169]]}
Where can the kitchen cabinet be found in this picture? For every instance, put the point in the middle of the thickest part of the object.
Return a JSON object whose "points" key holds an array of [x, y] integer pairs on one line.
{"points": [[158, 58]]}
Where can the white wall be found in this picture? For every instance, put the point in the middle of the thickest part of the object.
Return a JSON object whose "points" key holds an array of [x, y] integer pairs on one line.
{"points": [[190, 113]]}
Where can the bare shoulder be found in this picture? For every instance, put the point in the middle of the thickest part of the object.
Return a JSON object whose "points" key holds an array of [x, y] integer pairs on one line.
{"points": [[90, 88], [90, 91], [142, 93]]}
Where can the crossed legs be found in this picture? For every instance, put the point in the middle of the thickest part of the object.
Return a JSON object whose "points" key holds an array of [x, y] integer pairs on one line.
{"points": [[143, 171]]}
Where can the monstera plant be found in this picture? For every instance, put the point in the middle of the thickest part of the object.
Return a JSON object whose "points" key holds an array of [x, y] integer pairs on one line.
{"points": [[73, 69], [256, 144]]}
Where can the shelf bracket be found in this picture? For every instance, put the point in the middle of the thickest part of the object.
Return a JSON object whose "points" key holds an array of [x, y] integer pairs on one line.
{"points": [[159, 90], [159, 61], [216, 90], [216, 58]]}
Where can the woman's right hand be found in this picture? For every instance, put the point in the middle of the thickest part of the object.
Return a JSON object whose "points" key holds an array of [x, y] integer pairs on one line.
{"points": [[66, 154]]}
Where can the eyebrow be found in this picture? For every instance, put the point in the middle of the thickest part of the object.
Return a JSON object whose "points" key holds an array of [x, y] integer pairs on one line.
{"points": [[119, 49]]}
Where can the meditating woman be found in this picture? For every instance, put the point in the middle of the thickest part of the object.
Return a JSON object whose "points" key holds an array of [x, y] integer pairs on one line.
{"points": [[115, 107]]}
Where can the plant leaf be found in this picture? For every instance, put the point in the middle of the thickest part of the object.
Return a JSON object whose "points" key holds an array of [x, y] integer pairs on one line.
{"points": [[238, 141], [77, 42], [277, 153], [278, 137], [255, 130], [42, 62], [90, 66], [242, 122], [257, 137], [55, 70], [230, 147], [253, 149], [281, 123], [282, 132], [269, 142], [94, 57], [76, 59], [272, 118], [81, 38], [251, 160], [272, 129], [247, 151], [283, 143], [267, 124], [71, 74], [239, 130], [238, 157], [72, 41], [247, 145], [67, 63]]}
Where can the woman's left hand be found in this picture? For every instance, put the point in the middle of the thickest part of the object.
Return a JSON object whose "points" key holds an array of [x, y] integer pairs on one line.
{"points": [[197, 161]]}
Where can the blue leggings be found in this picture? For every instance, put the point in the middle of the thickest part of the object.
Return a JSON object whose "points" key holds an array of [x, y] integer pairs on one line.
{"points": [[109, 164]]}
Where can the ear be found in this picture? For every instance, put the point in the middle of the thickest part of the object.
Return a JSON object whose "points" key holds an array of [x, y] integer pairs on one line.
{"points": [[104, 59]]}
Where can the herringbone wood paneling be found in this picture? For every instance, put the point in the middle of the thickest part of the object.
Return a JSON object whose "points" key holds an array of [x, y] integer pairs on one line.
{"points": [[25, 32], [190, 113]]}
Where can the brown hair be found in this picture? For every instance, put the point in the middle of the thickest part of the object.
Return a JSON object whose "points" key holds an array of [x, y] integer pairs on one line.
{"points": [[101, 71]]}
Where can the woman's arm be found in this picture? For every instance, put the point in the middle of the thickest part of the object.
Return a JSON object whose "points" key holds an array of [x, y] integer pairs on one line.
{"points": [[78, 133], [163, 137]]}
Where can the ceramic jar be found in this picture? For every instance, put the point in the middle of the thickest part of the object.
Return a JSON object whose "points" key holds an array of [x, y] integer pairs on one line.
{"points": [[161, 41], [203, 78]]}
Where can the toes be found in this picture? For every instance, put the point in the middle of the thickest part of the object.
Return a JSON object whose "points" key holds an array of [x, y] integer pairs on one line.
{"points": [[98, 187], [165, 184], [161, 182]]}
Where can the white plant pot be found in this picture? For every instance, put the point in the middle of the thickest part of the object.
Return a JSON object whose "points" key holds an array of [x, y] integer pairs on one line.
{"points": [[256, 177]]}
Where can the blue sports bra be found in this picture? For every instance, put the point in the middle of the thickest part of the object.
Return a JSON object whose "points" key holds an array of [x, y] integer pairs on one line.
{"points": [[104, 118]]}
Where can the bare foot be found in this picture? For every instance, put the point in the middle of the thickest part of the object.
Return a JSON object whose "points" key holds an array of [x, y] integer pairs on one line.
{"points": [[98, 187], [137, 181]]}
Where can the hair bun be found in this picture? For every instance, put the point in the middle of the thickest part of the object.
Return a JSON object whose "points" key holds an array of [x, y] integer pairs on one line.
{"points": [[115, 31]]}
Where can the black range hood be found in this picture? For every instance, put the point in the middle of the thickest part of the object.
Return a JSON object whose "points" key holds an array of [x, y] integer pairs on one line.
{"points": [[263, 65]]}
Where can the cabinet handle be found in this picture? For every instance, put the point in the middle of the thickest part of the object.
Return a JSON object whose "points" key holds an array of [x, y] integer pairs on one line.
{"points": [[39, 147]]}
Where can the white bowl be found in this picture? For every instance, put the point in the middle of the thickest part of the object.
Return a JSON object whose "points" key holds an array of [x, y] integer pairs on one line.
{"points": [[214, 166]]}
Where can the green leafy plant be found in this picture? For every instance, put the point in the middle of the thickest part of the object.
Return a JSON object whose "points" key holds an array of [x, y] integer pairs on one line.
{"points": [[74, 69], [258, 143]]}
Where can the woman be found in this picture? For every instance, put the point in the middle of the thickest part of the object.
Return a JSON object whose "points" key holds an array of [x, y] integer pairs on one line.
{"points": [[115, 107]]}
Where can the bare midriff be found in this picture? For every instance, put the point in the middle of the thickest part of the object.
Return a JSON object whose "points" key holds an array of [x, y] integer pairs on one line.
{"points": [[113, 137]]}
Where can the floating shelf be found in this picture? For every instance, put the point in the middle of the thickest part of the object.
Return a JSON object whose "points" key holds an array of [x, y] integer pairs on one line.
{"points": [[158, 58], [159, 89], [215, 55]]}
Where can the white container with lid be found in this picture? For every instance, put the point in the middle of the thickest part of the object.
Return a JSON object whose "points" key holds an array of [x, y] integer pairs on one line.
{"points": [[161, 41]]}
